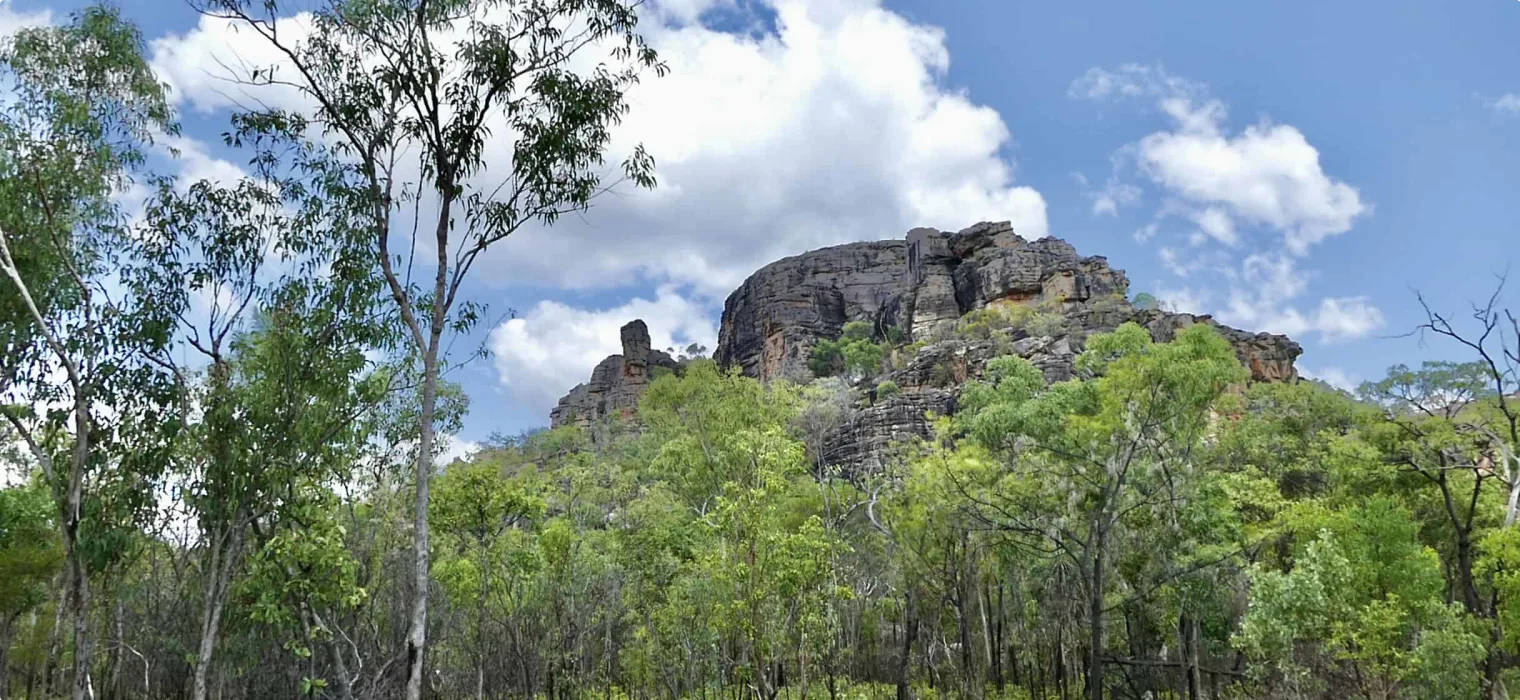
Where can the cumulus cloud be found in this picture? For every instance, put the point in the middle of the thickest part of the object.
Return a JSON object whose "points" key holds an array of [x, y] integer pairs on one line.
{"points": [[12, 21], [1252, 203], [1183, 299], [457, 449], [831, 124], [1264, 300], [554, 346], [1268, 175], [1506, 105], [207, 67], [195, 162]]}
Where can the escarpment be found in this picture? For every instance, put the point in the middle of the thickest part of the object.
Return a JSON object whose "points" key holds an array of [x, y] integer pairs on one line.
{"points": [[920, 286], [915, 293]]}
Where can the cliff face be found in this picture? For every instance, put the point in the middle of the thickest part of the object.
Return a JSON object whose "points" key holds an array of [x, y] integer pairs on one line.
{"points": [[771, 322], [920, 286]]}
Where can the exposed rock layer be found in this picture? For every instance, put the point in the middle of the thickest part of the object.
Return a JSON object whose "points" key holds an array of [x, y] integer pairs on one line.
{"points": [[617, 383], [921, 286]]}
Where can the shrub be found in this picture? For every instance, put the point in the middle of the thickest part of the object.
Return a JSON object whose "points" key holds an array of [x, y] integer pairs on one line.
{"points": [[854, 354], [886, 389], [1046, 324]]}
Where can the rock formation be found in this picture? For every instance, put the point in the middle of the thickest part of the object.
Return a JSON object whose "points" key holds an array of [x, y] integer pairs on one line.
{"points": [[921, 286], [617, 383]]}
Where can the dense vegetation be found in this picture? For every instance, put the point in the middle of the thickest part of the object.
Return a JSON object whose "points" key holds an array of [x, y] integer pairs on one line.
{"points": [[221, 404]]}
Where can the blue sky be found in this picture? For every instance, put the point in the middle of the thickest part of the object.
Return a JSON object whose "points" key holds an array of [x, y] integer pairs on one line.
{"points": [[1291, 166]]}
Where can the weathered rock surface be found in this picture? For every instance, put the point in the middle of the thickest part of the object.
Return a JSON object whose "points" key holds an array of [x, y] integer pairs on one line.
{"points": [[921, 286], [1270, 357], [617, 383], [866, 442], [771, 322], [931, 383]]}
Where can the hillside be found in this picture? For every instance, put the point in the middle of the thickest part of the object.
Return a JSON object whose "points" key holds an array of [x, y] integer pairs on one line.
{"points": [[944, 303]]}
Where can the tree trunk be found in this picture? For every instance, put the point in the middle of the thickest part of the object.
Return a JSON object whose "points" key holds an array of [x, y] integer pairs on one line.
{"points": [[55, 638], [904, 664], [79, 575], [5, 657], [113, 683], [211, 616], [416, 641], [1188, 633], [1095, 619], [416, 638]]}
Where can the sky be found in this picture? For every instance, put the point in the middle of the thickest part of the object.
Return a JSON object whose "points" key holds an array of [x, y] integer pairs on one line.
{"points": [[1297, 167]]}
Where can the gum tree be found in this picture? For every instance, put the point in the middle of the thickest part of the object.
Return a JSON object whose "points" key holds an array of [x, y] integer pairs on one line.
{"points": [[84, 106], [410, 92]]}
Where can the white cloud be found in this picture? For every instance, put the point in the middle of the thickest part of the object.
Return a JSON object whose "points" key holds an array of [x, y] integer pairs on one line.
{"points": [[835, 125], [1217, 224], [195, 162], [1183, 300], [457, 449], [1347, 318], [1334, 376], [1172, 261], [1259, 200], [1267, 175], [1263, 300], [1506, 105], [553, 347], [1130, 80], [1115, 194], [12, 21], [204, 66]]}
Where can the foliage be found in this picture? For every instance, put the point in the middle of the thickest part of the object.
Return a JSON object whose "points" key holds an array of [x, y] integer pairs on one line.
{"points": [[30, 554], [855, 354], [244, 501]]}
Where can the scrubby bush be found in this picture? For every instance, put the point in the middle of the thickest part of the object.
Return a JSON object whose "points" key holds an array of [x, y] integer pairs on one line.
{"points": [[886, 389], [855, 354], [1045, 324]]}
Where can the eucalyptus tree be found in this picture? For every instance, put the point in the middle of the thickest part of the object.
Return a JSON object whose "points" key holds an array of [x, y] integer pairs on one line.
{"points": [[83, 108], [271, 290], [1084, 457], [394, 80]]}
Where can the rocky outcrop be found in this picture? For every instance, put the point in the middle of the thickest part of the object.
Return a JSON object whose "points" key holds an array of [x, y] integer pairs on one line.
{"points": [[771, 322], [1269, 356], [919, 286], [617, 384], [873, 435]]}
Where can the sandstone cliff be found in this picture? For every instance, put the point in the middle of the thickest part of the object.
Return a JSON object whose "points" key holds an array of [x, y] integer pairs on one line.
{"points": [[921, 287]]}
